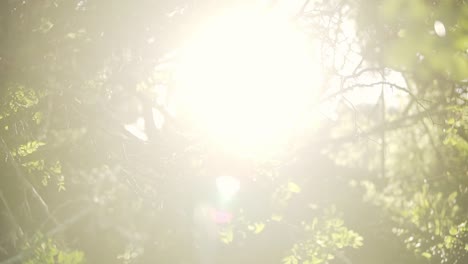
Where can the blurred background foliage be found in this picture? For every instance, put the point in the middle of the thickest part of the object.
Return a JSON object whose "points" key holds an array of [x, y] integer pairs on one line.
{"points": [[382, 181]]}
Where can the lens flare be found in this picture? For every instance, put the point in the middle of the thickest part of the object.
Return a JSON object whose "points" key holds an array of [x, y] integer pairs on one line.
{"points": [[227, 186]]}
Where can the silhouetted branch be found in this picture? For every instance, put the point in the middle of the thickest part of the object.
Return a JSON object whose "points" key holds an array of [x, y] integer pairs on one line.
{"points": [[389, 126], [10, 213], [23, 179], [66, 224]]}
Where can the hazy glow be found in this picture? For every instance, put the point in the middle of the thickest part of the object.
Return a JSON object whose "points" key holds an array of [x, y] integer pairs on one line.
{"points": [[227, 186], [220, 216], [247, 79]]}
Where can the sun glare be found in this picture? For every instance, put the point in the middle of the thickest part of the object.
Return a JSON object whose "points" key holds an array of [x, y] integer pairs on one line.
{"points": [[227, 186], [247, 79]]}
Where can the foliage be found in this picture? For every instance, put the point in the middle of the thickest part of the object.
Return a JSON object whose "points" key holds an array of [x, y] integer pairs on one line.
{"points": [[324, 239], [46, 251], [381, 179]]}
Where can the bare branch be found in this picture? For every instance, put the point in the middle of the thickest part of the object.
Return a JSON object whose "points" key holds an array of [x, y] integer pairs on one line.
{"points": [[10, 213], [66, 224], [23, 179], [361, 85]]}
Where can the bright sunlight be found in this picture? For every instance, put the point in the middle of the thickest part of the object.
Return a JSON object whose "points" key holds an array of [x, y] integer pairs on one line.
{"points": [[247, 79]]}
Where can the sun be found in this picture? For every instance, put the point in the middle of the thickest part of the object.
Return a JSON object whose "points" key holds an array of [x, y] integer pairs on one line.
{"points": [[247, 80]]}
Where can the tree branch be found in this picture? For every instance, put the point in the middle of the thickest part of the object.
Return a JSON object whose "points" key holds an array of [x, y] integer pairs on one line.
{"points": [[66, 224], [23, 179]]}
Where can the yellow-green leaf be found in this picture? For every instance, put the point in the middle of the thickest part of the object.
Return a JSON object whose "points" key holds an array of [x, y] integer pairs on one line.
{"points": [[276, 217], [293, 187], [453, 231], [227, 236], [259, 227], [426, 255]]}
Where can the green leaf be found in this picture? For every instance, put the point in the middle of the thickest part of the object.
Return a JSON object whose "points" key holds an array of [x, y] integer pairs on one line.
{"points": [[29, 148], [259, 228], [426, 255], [453, 231], [452, 197], [38, 117], [71, 35], [56, 168], [358, 241], [448, 241], [277, 217], [226, 236], [290, 260], [293, 187]]}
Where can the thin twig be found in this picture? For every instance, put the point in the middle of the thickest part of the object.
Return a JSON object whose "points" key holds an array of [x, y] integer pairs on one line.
{"points": [[389, 126], [361, 85], [383, 146], [302, 10], [10, 213], [23, 178], [66, 224]]}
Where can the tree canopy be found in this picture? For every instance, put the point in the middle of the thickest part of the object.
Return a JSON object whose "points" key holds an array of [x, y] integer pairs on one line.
{"points": [[101, 164]]}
